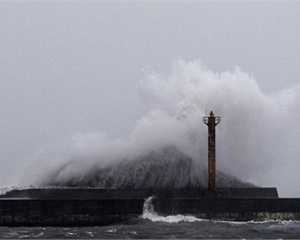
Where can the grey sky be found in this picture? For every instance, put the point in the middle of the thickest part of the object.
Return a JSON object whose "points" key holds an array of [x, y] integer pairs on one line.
{"points": [[75, 67]]}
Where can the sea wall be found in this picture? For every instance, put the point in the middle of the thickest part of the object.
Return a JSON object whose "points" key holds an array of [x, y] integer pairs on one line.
{"points": [[95, 212], [235, 209], [94, 207], [94, 193], [68, 212]]}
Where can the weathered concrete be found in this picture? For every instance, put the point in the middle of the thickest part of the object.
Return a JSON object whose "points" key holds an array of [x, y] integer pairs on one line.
{"points": [[92, 193], [91, 212], [68, 212], [89, 207], [237, 209]]}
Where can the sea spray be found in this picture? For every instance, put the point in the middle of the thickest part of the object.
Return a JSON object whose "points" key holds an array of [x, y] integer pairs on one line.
{"points": [[150, 214], [256, 142], [163, 168]]}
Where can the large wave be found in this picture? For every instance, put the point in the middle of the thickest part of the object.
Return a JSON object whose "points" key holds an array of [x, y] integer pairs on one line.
{"points": [[256, 140], [163, 168]]}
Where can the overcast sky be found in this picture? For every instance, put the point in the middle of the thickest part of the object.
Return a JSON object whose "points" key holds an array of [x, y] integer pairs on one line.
{"points": [[75, 67]]}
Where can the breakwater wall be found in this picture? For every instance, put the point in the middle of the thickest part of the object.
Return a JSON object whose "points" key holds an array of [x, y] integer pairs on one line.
{"points": [[90, 207], [93, 212], [235, 209], [68, 212], [92, 193]]}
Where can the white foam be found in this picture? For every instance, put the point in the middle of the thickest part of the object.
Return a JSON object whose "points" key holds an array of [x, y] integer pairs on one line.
{"points": [[5, 190], [149, 213], [172, 218], [270, 221]]}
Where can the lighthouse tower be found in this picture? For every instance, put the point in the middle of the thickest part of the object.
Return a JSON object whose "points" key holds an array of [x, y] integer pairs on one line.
{"points": [[211, 121]]}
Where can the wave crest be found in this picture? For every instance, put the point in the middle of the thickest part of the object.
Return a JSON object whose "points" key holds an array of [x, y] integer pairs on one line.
{"points": [[164, 168]]}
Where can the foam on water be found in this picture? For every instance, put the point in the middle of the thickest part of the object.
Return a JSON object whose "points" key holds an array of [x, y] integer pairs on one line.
{"points": [[267, 222], [149, 213]]}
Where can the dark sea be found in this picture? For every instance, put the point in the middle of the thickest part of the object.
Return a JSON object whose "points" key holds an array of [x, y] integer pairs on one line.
{"points": [[157, 227]]}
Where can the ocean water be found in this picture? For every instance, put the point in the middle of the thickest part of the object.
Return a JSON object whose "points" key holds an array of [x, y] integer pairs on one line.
{"points": [[172, 227], [151, 225]]}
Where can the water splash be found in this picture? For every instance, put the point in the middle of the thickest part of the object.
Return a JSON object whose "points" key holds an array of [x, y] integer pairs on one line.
{"points": [[150, 214], [163, 168], [256, 141]]}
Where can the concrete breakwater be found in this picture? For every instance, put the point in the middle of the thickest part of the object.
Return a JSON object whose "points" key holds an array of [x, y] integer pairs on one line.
{"points": [[92, 207], [129, 193]]}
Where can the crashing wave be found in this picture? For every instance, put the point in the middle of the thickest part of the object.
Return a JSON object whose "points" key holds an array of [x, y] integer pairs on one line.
{"points": [[164, 168]]}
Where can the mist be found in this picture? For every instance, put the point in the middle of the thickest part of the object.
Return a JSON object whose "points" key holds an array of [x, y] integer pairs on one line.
{"points": [[95, 85], [256, 140]]}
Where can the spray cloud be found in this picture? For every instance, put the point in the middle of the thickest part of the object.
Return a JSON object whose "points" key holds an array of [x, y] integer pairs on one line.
{"points": [[256, 141]]}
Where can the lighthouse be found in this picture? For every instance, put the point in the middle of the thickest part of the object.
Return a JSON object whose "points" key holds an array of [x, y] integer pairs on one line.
{"points": [[211, 121]]}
